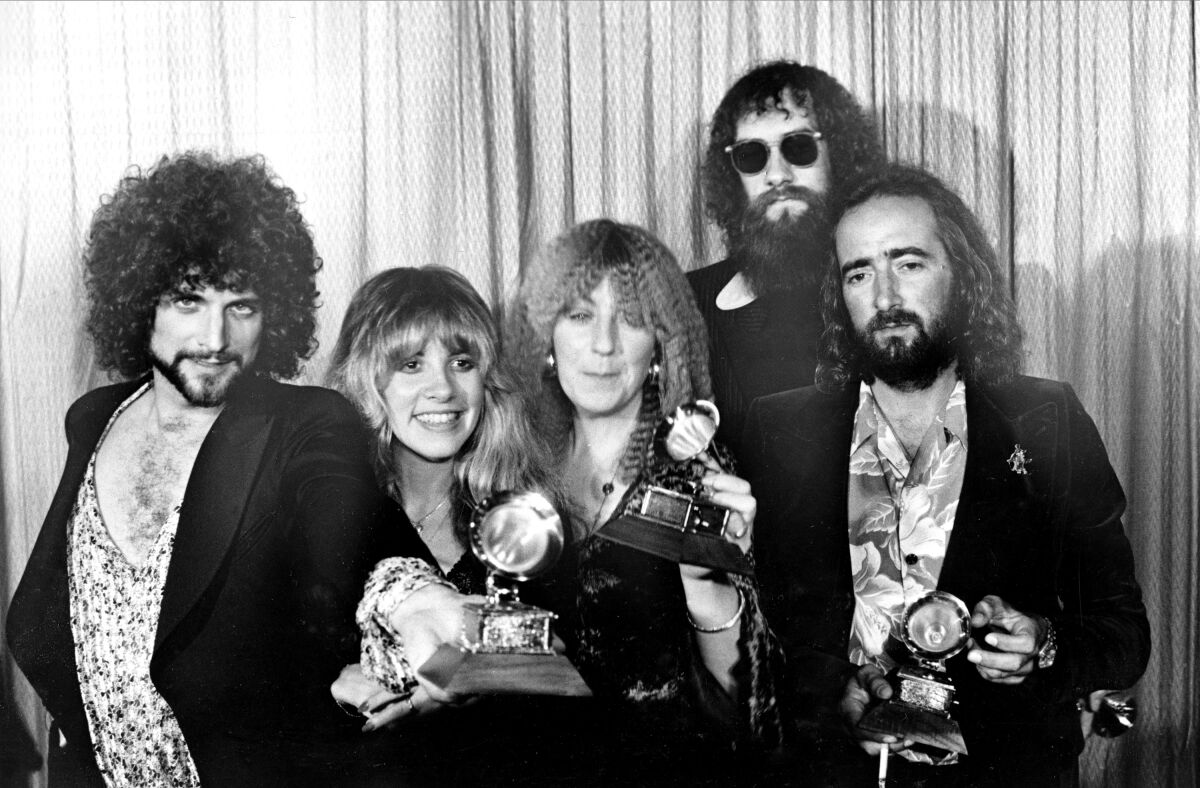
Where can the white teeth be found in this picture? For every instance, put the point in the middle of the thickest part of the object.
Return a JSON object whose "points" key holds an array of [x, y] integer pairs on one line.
{"points": [[437, 418]]}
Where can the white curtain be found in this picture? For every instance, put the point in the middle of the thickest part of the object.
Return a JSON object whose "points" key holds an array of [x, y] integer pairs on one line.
{"points": [[466, 134]]}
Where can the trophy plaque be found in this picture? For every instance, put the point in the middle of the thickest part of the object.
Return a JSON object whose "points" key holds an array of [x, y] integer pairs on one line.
{"points": [[934, 628], [675, 522], [505, 645]]}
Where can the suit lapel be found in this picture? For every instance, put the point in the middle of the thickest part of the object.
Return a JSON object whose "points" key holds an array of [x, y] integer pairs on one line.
{"points": [[803, 551], [996, 501], [39, 621], [213, 505], [828, 443]]}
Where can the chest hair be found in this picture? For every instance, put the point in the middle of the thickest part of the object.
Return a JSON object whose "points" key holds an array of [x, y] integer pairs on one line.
{"points": [[142, 472]]}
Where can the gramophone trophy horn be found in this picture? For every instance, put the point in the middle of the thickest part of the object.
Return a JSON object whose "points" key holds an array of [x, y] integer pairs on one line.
{"points": [[673, 520], [506, 645], [934, 628]]}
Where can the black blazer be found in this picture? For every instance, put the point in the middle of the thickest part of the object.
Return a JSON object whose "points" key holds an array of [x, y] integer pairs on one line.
{"points": [[1049, 542], [280, 523]]}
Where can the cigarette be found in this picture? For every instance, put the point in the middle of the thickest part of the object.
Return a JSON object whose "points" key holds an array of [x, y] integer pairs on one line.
{"points": [[883, 758]]}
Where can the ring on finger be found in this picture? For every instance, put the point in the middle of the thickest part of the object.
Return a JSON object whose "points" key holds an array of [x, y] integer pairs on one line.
{"points": [[412, 707]]}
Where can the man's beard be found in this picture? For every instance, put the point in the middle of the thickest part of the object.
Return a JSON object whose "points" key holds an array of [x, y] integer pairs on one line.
{"points": [[908, 365], [201, 390], [784, 254]]}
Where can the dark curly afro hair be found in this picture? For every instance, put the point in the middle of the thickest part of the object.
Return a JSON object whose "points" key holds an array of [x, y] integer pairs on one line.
{"points": [[195, 221], [849, 131]]}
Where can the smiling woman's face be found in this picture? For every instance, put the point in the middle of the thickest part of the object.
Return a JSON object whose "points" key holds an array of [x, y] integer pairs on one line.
{"points": [[434, 400], [602, 360]]}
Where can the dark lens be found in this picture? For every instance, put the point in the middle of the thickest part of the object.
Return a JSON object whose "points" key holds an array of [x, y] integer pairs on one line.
{"points": [[800, 149], [750, 156]]}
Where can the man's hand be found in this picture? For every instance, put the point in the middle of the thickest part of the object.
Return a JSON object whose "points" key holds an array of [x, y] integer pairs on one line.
{"points": [[864, 689], [1014, 642]]}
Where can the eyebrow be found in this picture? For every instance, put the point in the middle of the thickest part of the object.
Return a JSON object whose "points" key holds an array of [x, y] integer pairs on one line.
{"points": [[915, 251], [779, 137], [247, 299], [890, 254]]}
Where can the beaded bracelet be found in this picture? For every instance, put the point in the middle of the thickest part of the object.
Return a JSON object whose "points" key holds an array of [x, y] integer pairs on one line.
{"points": [[728, 624]]}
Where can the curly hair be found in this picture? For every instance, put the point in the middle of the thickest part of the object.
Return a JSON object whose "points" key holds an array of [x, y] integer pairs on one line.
{"points": [[650, 290], [850, 132], [193, 222], [987, 337], [391, 317]]}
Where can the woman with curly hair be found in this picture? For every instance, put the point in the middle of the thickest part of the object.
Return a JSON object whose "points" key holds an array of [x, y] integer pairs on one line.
{"points": [[606, 339], [608, 336]]}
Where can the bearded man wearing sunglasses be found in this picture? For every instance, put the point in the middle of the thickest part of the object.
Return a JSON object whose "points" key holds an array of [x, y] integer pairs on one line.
{"points": [[781, 139]]}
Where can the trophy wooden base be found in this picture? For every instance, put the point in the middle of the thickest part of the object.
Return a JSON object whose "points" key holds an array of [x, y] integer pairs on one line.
{"points": [[464, 672], [910, 722], [673, 544]]}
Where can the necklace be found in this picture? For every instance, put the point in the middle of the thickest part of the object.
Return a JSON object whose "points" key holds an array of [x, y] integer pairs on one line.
{"points": [[419, 523], [895, 434]]}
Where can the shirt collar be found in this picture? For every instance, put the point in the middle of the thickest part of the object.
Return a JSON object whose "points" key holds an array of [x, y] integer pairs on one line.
{"points": [[866, 425]]}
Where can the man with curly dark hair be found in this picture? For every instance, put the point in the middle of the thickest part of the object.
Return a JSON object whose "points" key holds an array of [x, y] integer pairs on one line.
{"points": [[925, 463], [192, 592], [781, 139]]}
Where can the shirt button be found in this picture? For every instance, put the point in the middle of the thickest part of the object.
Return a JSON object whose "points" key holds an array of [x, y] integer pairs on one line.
{"points": [[911, 559]]}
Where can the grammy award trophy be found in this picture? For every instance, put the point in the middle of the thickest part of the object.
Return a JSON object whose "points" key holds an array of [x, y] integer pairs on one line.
{"points": [[505, 645], [934, 628]]}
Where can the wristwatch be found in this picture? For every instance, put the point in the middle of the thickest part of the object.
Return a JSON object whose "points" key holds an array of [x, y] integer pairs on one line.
{"points": [[1049, 649]]}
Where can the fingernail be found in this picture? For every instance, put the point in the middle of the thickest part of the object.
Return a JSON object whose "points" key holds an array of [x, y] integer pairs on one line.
{"points": [[370, 726], [990, 640], [974, 656]]}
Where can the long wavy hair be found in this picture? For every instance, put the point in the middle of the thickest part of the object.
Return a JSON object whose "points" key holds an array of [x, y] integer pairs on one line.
{"points": [[849, 132], [987, 337], [650, 290], [193, 222], [391, 317]]}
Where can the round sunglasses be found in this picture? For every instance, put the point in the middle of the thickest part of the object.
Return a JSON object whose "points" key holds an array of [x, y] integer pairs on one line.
{"points": [[799, 149]]}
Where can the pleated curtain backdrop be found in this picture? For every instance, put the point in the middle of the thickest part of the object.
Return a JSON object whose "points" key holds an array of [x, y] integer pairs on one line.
{"points": [[466, 134]]}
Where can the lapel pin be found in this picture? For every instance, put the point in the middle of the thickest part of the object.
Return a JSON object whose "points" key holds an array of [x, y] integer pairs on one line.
{"points": [[1018, 460]]}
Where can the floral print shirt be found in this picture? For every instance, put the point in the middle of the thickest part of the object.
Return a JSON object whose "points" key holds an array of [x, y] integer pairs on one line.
{"points": [[136, 739], [901, 514]]}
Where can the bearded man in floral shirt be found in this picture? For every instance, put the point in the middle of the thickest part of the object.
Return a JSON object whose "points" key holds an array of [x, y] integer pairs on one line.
{"points": [[923, 461]]}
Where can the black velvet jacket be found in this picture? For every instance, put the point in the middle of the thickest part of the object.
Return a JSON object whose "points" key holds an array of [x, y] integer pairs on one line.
{"points": [[280, 524], [1049, 542]]}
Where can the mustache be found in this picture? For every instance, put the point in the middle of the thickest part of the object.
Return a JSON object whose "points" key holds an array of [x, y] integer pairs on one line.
{"points": [[220, 357], [894, 317], [787, 191]]}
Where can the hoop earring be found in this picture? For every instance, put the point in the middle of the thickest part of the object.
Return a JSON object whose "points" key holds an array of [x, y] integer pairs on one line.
{"points": [[551, 365]]}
